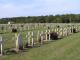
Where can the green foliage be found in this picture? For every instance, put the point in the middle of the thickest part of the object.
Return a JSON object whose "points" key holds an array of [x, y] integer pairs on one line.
{"points": [[67, 18]]}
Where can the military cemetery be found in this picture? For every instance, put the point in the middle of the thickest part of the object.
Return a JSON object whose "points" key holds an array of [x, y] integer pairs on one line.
{"points": [[35, 35], [39, 30]]}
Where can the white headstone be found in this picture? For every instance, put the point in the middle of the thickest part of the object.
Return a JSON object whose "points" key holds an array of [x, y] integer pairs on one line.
{"points": [[19, 43]]}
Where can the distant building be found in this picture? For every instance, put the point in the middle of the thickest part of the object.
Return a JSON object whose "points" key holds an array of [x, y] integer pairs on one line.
{"points": [[10, 22]]}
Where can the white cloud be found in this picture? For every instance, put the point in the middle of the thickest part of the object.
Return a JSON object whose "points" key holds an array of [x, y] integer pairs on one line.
{"points": [[37, 7]]}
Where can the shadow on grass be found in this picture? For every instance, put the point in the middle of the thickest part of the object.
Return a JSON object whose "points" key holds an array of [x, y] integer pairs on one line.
{"points": [[13, 51]]}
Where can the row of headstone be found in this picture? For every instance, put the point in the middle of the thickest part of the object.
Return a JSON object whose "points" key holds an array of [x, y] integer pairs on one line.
{"points": [[22, 27], [41, 35], [65, 31], [30, 37], [19, 43]]}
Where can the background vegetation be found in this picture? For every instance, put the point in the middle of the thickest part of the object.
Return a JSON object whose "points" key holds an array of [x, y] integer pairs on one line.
{"points": [[67, 18]]}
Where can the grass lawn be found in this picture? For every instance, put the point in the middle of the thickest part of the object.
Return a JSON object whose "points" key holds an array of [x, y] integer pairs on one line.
{"points": [[67, 48]]}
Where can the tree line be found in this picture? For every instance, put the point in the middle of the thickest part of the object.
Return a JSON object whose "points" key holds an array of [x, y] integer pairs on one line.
{"points": [[65, 18]]}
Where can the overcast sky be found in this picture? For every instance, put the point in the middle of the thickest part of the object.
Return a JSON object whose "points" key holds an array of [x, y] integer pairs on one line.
{"points": [[14, 8]]}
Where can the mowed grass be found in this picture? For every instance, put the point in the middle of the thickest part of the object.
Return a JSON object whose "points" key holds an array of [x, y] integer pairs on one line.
{"points": [[67, 48]]}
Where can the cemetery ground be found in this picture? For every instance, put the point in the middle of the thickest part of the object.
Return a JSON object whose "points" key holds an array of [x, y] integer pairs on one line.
{"points": [[67, 48]]}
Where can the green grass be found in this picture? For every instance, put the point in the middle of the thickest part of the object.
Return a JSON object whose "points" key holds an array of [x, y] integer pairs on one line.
{"points": [[67, 48]]}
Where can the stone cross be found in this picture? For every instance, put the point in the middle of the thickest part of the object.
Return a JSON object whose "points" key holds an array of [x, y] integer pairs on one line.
{"points": [[46, 35], [1, 46], [49, 34], [38, 35], [28, 36], [41, 37], [32, 40]]}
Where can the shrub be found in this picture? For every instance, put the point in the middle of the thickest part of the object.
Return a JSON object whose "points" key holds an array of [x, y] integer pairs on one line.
{"points": [[73, 30], [14, 30], [21, 25], [53, 36], [26, 46]]}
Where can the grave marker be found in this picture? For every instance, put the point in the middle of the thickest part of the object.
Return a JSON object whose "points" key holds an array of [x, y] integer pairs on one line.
{"points": [[32, 40], [46, 35], [28, 38], [1, 46], [19, 43], [49, 35], [41, 37]]}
